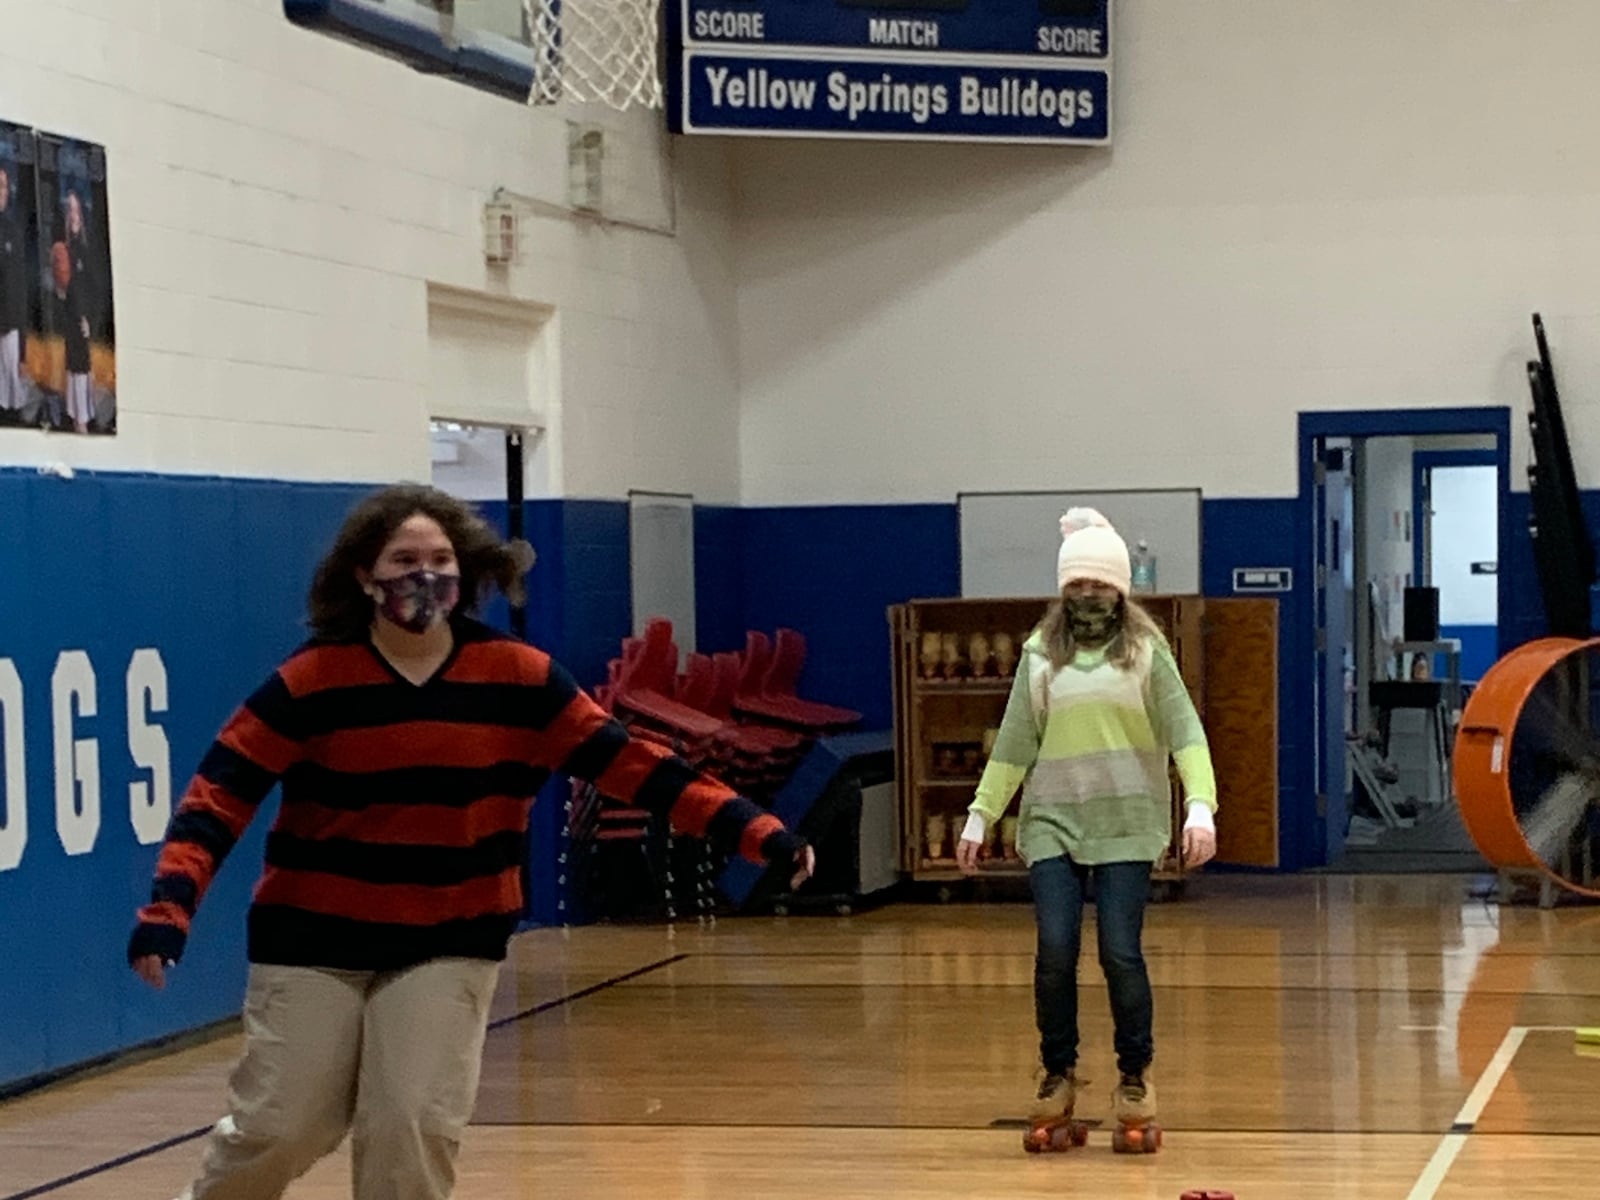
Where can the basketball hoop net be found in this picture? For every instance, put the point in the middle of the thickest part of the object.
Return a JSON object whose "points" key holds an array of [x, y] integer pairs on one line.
{"points": [[601, 50]]}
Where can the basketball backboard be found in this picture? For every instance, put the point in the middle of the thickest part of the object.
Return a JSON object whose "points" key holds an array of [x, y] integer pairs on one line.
{"points": [[483, 43]]}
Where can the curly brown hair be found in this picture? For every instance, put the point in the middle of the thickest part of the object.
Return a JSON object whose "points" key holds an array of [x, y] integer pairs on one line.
{"points": [[338, 610]]}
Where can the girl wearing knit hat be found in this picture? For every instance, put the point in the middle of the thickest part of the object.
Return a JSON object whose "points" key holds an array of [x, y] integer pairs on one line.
{"points": [[1095, 712]]}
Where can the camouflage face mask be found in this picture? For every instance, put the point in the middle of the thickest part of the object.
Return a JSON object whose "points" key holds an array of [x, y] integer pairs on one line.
{"points": [[1093, 620]]}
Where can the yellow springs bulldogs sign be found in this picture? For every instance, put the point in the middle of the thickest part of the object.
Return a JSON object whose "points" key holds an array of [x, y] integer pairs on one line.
{"points": [[945, 70]]}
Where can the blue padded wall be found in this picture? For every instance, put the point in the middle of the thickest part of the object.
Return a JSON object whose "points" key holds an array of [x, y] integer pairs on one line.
{"points": [[212, 575], [719, 578]]}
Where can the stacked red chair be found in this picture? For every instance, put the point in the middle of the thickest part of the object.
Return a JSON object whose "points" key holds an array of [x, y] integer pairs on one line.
{"points": [[734, 716], [756, 759], [643, 695], [638, 691], [768, 687], [632, 692], [737, 717]]}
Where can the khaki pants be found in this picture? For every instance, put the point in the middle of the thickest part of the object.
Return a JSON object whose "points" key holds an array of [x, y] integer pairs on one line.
{"points": [[391, 1058]]}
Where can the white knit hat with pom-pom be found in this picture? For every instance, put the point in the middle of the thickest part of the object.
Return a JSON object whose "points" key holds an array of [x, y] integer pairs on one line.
{"points": [[1092, 549]]}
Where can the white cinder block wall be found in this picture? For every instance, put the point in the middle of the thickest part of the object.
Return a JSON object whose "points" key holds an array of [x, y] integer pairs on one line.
{"points": [[1307, 207], [279, 202]]}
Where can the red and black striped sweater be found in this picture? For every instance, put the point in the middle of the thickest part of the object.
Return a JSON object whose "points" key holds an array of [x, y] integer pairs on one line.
{"points": [[400, 837]]}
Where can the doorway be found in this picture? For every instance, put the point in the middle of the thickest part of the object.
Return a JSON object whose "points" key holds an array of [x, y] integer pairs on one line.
{"points": [[661, 564], [487, 465], [1395, 504], [1457, 548]]}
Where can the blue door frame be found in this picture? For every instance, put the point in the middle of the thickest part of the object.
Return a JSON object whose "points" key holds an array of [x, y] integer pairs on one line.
{"points": [[1307, 829]]}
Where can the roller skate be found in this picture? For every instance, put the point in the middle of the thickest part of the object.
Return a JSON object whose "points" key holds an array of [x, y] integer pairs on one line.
{"points": [[1051, 1126], [1133, 1106]]}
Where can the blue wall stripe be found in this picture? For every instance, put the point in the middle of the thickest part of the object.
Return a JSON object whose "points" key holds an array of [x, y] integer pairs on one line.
{"points": [[832, 572], [1264, 533], [719, 610]]}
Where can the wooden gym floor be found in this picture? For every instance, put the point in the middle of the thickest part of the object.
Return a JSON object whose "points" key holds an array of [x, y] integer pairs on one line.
{"points": [[1316, 1037]]}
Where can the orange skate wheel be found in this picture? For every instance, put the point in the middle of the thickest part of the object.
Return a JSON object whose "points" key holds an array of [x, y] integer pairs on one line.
{"points": [[1136, 1139], [1055, 1138], [1036, 1138]]}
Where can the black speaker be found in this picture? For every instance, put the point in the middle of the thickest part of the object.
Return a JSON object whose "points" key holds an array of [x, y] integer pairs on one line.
{"points": [[1422, 614]]}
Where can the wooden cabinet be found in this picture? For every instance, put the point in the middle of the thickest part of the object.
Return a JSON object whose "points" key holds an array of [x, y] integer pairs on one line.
{"points": [[953, 674]]}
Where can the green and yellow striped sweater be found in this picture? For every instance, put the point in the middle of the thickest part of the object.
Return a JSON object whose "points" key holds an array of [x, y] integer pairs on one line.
{"points": [[1089, 744]]}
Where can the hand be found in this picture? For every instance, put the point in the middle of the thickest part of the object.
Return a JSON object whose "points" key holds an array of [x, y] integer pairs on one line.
{"points": [[152, 970], [967, 856], [805, 867], [1199, 847], [83, 324]]}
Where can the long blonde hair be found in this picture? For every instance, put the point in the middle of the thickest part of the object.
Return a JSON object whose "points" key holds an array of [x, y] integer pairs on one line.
{"points": [[1136, 631]]}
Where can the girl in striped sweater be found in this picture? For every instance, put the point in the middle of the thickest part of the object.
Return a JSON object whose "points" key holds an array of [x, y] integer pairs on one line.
{"points": [[1095, 712], [410, 741]]}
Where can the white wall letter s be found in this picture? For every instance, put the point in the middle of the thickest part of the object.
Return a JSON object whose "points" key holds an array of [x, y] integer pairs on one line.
{"points": [[77, 760], [14, 794], [149, 804]]}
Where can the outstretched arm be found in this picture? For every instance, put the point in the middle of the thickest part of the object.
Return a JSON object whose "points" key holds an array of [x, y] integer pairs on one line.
{"points": [[582, 740], [255, 747]]}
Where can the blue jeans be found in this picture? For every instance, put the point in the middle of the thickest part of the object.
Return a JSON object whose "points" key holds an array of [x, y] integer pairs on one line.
{"points": [[1121, 892]]}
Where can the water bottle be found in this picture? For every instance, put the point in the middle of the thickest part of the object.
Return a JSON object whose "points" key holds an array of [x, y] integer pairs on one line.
{"points": [[1144, 569]]}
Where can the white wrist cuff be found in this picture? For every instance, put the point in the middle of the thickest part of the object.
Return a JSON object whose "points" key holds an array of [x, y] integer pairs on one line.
{"points": [[1200, 817], [976, 828]]}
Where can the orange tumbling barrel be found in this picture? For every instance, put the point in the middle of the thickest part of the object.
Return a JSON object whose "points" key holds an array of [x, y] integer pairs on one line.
{"points": [[1482, 759]]}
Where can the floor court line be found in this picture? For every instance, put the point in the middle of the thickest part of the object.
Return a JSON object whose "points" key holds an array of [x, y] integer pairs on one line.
{"points": [[1451, 1145], [113, 1164], [588, 991], [1090, 981]]}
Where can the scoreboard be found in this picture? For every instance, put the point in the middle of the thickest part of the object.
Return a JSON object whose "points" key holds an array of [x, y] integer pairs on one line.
{"points": [[941, 70]]}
